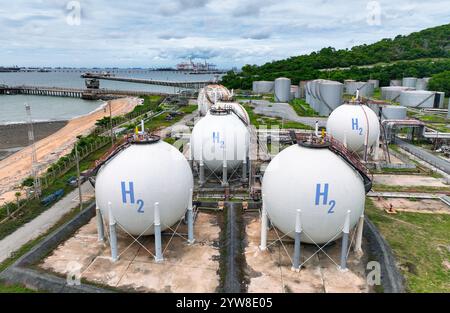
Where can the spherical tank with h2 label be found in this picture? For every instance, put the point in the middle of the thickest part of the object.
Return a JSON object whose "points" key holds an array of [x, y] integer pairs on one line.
{"points": [[140, 176], [354, 124], [221, 133], [319, 183]]}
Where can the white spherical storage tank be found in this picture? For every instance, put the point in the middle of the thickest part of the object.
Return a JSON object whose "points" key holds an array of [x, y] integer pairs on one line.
{"points": [[139, 176], [319, 183], [217, 131], [282, 89], [352, 124], [209, 94], [236, 107]]}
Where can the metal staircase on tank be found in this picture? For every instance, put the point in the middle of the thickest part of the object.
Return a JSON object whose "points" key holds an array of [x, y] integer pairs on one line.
{"points": [[338, 148]]}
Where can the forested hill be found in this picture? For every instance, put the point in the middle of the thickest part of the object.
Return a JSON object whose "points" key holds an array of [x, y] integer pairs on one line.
{"points": [[429, 43]]}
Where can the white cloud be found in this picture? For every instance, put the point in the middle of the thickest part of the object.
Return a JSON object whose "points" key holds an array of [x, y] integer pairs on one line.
{"points": [[227, 32]]}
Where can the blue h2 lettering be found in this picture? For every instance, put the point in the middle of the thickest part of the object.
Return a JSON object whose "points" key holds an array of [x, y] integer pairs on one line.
{"points": [[216, 137], [355, 124], [323, 194], [130, 192]]}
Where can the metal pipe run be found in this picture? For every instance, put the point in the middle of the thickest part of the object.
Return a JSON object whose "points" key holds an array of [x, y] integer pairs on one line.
{"points": [[191, 238], [112, 234], [100, 228], [345, 231], [158, 244], [297, 251]]}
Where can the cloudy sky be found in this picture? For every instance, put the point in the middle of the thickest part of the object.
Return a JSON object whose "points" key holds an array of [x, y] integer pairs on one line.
{"points": [[127, 33]]}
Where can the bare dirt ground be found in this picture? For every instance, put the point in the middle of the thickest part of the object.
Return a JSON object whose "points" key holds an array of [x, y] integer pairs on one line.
{"points": [[408, 180], [408, 205], [186, 268], [15, 168], [270, 270]]}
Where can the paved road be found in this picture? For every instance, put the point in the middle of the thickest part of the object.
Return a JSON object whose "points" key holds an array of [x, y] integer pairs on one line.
{"points": [[425, 155], [285, 111], [43, 222]]}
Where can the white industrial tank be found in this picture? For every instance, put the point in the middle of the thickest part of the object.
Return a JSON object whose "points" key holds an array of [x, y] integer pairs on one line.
{"points": [[374, 82], [422, 84], [395, 82], [209, 94], [263, 86], [409, 82], [219, 130], [236, 107], [393, 112], [351, 124], [319, 183], [329, 94], [417, 98], [139, 176], [282, 89], [392, 93]]}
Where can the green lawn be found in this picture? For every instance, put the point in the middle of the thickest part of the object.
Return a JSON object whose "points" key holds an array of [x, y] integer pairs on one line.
{"points": [[302, 108], [421, 244], [260, 120]]}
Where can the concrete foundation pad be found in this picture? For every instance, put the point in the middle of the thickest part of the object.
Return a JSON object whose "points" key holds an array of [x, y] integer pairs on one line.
{"points": [[186, 268], [270, 270]]}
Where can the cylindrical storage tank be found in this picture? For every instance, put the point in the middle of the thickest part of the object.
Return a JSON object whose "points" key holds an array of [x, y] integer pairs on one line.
{"points": [[139, 176], [409, 82], [417, 98], [263, 87], [295, 91], [217, 131], [393, 112], [330, 94], [315, 92], [421, 84], [282, 89], [365, 89], [439, 99], [319, 183], [392, 93], [351, 124], [395, 82], [236, 107], [350, 86], [374, 82], [448, 111], [302, 86]]}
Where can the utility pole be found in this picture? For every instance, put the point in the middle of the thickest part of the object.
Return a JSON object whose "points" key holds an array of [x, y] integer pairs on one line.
{"points": [[34, 164], [77, 158]]}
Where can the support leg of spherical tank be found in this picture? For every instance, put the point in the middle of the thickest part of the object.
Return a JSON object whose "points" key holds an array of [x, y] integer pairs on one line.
{"points": [[297, 252], [100, 228], [112, 234], [344, 248], [158, 244], [190, 214], [263, 245]]}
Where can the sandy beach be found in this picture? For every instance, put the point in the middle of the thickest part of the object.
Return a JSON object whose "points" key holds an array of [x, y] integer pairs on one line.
{"points": [[16, 167]]}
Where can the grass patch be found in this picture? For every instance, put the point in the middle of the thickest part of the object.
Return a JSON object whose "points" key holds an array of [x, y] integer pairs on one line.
{"points": [[188, 109], [302, 108], [421, 245], [259, 120]]}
